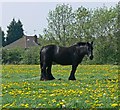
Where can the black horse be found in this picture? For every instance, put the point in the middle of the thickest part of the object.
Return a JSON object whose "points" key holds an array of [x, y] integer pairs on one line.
{"points": [[72, 55]]}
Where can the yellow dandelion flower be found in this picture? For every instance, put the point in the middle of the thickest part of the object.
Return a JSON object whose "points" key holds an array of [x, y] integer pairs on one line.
{"points": [[58, 104], [52, 94], [39, 104], [61, 103], [22, 104], [87, 101], [53, 100], [6, 105], [26, 105], [114, 105], [54, 84]]}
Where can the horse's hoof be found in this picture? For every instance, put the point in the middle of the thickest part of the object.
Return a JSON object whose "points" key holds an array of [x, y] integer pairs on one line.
{"points": [[43, 79], [71, 79], [52, 79]]}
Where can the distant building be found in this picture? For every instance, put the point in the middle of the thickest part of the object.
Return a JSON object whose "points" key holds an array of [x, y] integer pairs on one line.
{"points": [[24, 42]]}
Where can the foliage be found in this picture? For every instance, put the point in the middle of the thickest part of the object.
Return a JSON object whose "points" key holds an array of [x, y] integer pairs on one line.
{"points": [[12, 56], [66, 27], [21, 56], [83, 24], [14, 32], [2, 38], [96, 87], [60, 24], [31, 56], [100, 25]]}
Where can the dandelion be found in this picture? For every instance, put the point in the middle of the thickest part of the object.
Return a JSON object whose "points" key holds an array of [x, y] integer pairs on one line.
{"points": [[54, 84], [104, 94], [80, 92], [52, 94], [39, 96], [26, 105], [19, 91], [22, 104], [61, 103], [58, 104], [99, 105], [114, 105], [39, 104], [43, 104], [87, 101], [13, 104], [89, 90], [53, 100], [4, 106]]}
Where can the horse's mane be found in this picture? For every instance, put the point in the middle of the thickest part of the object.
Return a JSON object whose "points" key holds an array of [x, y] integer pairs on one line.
{"points": [[80, 43]]}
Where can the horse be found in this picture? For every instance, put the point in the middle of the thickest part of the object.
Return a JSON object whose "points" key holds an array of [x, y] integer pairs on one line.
{"points": [[72, 55]]}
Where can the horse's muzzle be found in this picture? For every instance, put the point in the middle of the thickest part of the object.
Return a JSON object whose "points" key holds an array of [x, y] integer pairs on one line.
{"points": [[91, 57]]}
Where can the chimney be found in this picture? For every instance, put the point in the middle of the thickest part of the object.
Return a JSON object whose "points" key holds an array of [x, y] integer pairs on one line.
{"points": [[35, 39]]}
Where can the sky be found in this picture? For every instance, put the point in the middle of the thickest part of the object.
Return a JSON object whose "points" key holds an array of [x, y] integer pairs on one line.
{"points": [[33, 14]]}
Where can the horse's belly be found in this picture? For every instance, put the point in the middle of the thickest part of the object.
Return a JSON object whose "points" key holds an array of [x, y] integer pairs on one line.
{"points": [[63, 61]]}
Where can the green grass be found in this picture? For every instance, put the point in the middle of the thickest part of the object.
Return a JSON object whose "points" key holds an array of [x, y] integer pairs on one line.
{"points": [[96, 87]]}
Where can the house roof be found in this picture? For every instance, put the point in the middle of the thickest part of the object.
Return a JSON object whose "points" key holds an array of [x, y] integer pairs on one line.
{"points": [[24, 42]]}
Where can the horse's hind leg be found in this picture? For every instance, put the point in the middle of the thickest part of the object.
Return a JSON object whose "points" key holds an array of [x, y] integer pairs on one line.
{"points": [[43, 72], [50, 76]]}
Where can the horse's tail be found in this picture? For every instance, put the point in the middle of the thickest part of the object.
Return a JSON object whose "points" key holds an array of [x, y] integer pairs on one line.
{"points": [[41, 62]]}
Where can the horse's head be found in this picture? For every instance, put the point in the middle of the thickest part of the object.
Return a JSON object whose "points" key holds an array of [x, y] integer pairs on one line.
{"points": [[90, 50], [85, 48]]}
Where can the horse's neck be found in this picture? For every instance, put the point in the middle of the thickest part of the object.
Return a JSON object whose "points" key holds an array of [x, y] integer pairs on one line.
{"points": [[82, 50]]}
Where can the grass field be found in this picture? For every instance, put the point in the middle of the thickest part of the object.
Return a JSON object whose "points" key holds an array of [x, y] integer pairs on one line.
{"points": [[96, 87]]}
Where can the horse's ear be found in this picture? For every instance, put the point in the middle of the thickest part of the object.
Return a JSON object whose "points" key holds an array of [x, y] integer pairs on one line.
{"points": [[92, 42], [88, 43]]}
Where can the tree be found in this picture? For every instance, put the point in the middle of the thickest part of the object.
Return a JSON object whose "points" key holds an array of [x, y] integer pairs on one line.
{"points": [[83, 26], [2, 38], [105, 25], [19, 30], [14, 32], [59, 27], [101, 25]]}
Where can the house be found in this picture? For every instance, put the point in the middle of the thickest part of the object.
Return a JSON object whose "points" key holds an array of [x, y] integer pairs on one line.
{"points": [[24, 42]]}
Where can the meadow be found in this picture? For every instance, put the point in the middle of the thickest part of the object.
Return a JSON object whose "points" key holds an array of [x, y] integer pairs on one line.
{"points": [[96, 87]]}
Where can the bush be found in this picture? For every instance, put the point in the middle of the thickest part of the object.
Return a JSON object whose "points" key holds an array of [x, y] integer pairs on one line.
{"points": [[12, 56], [103, 54], [31, 56], [21, 56]]}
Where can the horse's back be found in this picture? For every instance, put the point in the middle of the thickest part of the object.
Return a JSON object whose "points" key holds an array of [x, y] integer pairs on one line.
{"points": [[47, 48], [46, 53]]}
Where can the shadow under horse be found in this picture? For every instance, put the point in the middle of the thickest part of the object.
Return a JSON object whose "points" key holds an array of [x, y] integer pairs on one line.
{"points": [[72, 55]]}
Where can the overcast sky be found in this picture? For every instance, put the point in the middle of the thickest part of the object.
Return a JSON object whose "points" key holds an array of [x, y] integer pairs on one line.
{"points": [[33, 14]]}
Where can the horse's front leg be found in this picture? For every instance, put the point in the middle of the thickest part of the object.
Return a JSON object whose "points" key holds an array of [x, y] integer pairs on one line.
{"points": [[72, 74]]}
